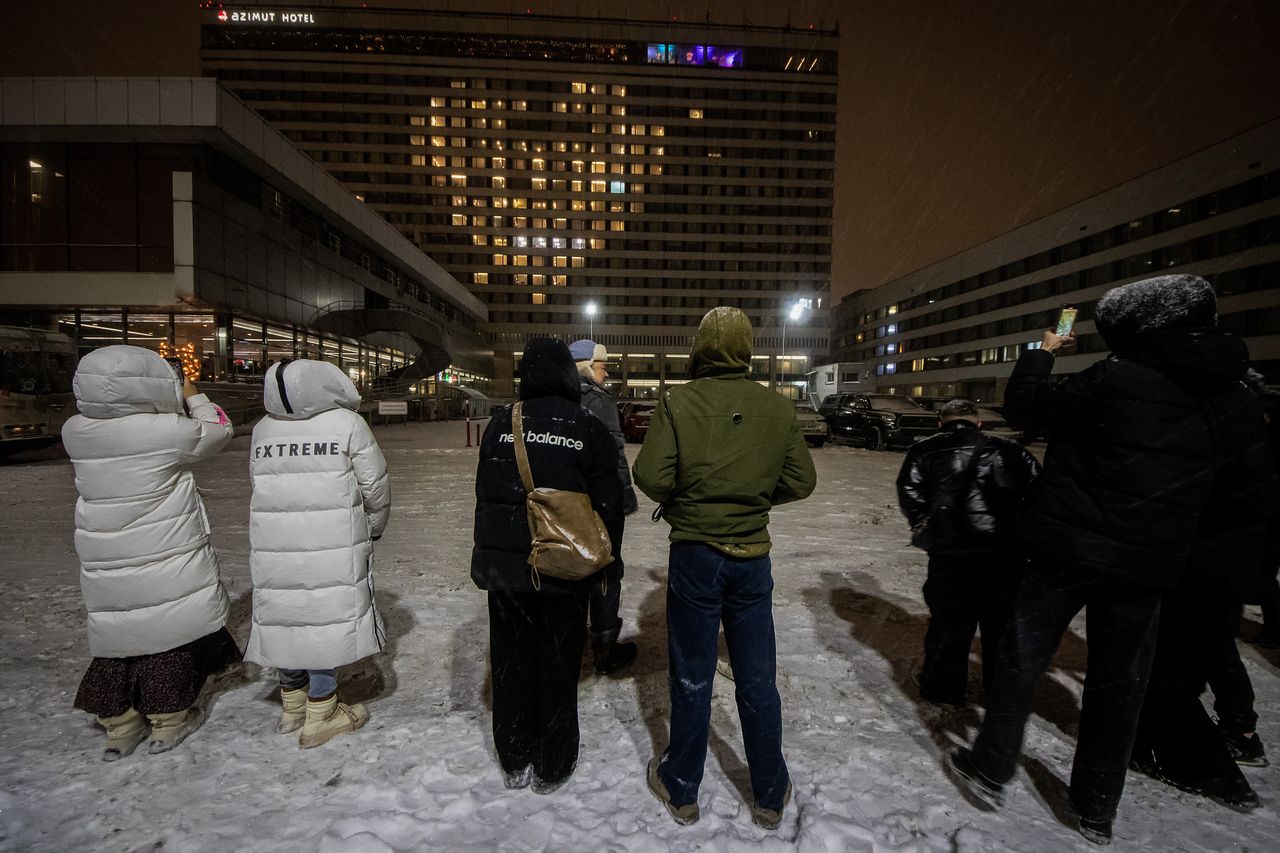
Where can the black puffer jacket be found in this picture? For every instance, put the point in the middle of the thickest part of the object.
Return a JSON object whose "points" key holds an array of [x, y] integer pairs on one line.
{"points": [[569, 448], [1157, 459], [968, 510]]}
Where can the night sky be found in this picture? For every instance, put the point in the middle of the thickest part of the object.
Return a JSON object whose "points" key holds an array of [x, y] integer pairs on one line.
{"points": [[958, 121]]}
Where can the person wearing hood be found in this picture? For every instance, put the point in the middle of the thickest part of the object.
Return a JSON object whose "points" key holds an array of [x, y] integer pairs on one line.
{"points": [[537, 623], [1157, 468], [720, 453], [320, 500], [149, 576], [605, 626]]}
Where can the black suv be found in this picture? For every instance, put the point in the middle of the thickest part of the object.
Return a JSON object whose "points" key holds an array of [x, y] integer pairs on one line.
{"points": [[877, 420]]}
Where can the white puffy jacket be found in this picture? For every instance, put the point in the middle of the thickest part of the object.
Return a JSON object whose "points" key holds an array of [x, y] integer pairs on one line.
{"points": [[320, 494], [147, 571]]}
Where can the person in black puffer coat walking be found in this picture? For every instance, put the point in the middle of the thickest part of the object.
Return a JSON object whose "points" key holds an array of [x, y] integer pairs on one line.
{"points": [[1157, 464], [537, 624], [961, 491]]}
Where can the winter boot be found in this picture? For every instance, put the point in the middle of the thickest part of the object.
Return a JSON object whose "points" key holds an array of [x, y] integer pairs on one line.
{"points": [[124, 733], [543, 786], [516, 779], [614, 657], [328, 718], [768, 818], [683, 815], [980, 790], [1246, 749], [169, 730], [293, 710], [1097, 831]]}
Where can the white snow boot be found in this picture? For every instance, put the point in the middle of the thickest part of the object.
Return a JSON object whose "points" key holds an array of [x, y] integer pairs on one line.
{"points": [[293, 710], [124, 733], [169, 730], [327, 718]]}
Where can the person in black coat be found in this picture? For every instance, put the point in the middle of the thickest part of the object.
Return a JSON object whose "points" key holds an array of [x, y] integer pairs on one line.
{"points": [[537, 624], [1156, 463], [961, 491]]}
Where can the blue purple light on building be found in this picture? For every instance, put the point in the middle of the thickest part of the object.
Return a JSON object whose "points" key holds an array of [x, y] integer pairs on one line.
{"points": [[695, 54]]}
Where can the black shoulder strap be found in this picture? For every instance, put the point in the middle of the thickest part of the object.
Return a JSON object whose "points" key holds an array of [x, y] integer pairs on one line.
{"points": [[284, 395]]}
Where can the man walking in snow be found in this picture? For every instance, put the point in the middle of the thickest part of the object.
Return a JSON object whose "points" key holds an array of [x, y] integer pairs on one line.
{"points": [[608, 655], [1156, 459], [720, 453], [960, 491]]}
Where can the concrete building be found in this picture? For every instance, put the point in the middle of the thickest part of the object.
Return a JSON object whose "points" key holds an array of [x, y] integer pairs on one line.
{"points": [[164, 212], [652, 170], [955, 328]]}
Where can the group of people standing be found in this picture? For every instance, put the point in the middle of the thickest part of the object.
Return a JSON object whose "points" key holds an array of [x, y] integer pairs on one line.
{"points": [[1154, 509]]}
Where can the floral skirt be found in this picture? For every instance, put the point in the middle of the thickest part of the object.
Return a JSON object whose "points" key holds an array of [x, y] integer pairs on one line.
{"points": [[163, 683]]}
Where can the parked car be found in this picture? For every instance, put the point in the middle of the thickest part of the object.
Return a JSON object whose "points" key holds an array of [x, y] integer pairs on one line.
{"points": [[635, 423], [813, 426], [877, 420], [992, 422]]}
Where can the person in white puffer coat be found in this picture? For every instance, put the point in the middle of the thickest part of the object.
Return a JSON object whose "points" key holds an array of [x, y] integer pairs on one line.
{"points": [[320, 498], [157, 610]]}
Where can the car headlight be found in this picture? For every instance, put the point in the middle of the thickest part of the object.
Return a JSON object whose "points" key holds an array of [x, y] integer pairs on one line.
{"points": [[889, 419]]}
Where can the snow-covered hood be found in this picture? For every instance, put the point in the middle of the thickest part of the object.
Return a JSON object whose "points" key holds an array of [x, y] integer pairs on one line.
{"points": [[310, 387], [115, 381]]}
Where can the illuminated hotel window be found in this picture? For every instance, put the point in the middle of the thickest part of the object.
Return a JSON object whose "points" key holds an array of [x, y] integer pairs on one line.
{"points": [[539, 298], [618, 129], [893, 309], [457, 103], [597, 166], [519, 222], [437, 160], [437, 121], [499, 104], [636, 207], [418, 160], [477, 221], [458, 141], [539, 164], [618, 109], [438, 181], [617, 186], [540, 222], [598, 186], [560, 261], [479, 201], [479, 239], [498, 123], [657, 130], [597, 243], [520, 260], [597, 88], [577, 203], [479, 278], [578, 88], [437, 102], [695, 113], [499, 182], [417, 121], [499, 239], [500, 201], [458, 180], [559, 243], [459, 201], [499, 162], [655, 169], [539, 242], [520, 203], [418, 139], [559, 280], [538, 280], [618, 168], [520, 241], [539, 183], [459, 219], [520, 278], [457, 84], [577, 261], [559, 107], [479, 105], [436, 141], [599, 128], [499, 260], [617, 225], [598, 206], [658, 150], [559, 222], [637, 168], [621, 91], [519, 105], [480, 123], [559, 185]]}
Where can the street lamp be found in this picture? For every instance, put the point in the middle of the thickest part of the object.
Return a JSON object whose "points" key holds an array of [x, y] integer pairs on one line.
{"points": [[794, 313], [590, 309]]}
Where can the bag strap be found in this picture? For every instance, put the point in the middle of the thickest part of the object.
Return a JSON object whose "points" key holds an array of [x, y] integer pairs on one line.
{"points": [[284, 395], [522, 455]]}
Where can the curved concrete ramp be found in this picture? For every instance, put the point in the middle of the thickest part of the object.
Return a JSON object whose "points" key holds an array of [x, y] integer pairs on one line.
{"points": [[356, 321]]}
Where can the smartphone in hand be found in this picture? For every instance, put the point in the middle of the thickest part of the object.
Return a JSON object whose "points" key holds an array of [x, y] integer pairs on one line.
{"points": [[1066, 320], [176, 364]]}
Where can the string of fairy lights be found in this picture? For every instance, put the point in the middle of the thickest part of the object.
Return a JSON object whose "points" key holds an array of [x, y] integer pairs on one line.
{"points": [[186, 353]]}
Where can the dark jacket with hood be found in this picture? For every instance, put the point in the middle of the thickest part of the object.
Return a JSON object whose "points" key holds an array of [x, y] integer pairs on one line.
{"points": [[1157, 458], [722, 450], [569, 448], [972, 506]]}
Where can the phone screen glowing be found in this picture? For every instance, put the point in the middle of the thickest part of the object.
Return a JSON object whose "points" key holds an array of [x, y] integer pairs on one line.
{"points": [[1066, 320]]}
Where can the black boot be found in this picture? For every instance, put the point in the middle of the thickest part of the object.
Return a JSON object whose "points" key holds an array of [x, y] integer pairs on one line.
{"points": [[613, 657]]}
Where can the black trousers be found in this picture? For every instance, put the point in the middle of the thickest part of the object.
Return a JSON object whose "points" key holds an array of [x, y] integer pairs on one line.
{"points": [[1175, 732], [1228, 679], [964, 593], [606, 625], [1121, 622], [535, 656]]}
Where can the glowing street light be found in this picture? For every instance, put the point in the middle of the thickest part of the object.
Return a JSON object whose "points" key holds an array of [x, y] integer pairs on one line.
{"points": [[590, 308], [794, 313]]}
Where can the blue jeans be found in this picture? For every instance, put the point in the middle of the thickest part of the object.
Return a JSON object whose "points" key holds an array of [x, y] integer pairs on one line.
{"points": [[320, 683], [705, 587]]}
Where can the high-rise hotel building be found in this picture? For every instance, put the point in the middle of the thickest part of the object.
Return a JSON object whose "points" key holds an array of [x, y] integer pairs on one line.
{"points": [[581, 175]]}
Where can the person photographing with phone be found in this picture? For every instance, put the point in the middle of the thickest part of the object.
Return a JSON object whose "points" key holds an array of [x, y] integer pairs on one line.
{"points": [[156, 606], [1157, 477]]}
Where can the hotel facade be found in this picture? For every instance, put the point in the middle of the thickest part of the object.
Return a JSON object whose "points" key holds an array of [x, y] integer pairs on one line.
{"points": [[581, 176]]}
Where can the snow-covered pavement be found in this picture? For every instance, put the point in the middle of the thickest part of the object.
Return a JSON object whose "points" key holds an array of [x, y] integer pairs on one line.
{"points": [[422, 776]]}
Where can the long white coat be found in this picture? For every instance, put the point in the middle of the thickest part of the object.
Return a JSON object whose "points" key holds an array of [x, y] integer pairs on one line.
{"points": [[320, 494], [147, 571]]}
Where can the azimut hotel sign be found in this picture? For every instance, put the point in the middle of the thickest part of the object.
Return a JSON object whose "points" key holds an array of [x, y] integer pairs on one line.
{"points": [[265, 16]]}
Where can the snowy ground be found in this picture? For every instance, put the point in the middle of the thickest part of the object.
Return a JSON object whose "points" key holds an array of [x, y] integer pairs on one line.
{"points": [[864, 756]]}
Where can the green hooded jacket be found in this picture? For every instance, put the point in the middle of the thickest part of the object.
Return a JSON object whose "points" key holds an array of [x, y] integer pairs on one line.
{"points": [[722, 450]]}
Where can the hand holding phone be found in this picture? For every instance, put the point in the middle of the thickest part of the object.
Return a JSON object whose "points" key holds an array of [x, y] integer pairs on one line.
{"points": [[1066, 320]]}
